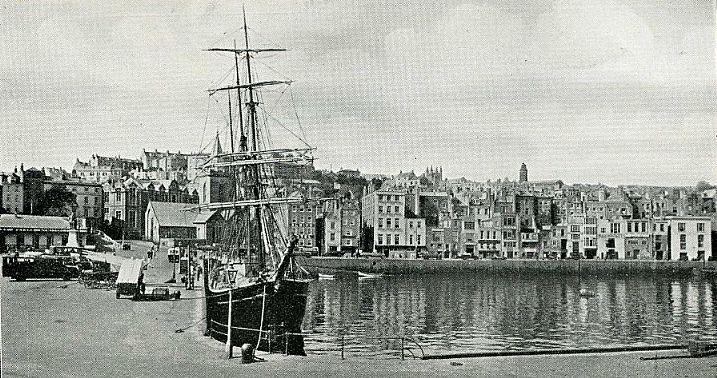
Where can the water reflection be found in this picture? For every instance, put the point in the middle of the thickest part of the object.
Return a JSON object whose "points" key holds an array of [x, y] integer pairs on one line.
{"points": [[478, 312]]}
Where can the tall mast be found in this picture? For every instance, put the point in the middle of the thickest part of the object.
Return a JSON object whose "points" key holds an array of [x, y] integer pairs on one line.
{"points": [[255, 147], [242, 136], [231, 129]]}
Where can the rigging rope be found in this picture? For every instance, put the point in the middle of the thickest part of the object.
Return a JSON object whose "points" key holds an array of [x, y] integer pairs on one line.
{"points": [[296, 114], [261, 323], [206, 120]]}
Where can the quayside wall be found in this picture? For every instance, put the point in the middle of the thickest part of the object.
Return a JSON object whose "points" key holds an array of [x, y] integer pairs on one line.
{"points": [[598, 267]]}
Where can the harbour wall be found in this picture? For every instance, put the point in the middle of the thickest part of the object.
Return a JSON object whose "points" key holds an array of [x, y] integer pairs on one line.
{"points": [[596, 267]]}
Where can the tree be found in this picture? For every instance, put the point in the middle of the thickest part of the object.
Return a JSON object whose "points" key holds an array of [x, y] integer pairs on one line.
{"points": [[113, 229], [703, 185], [57, 201]]}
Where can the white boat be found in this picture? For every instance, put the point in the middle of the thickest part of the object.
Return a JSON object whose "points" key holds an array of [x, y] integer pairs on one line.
{"points": [[587, 293], [326, 276], [363, 275]]}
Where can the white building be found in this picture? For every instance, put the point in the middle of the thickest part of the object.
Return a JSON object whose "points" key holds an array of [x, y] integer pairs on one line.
{"points": [[393, 233], [690, 238]]}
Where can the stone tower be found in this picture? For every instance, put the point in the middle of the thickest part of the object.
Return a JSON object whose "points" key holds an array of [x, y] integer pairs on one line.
{"points": [[523, 175]]}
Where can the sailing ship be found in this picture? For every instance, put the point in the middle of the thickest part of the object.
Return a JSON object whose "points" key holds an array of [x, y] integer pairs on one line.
{"points": [[255, 290]]}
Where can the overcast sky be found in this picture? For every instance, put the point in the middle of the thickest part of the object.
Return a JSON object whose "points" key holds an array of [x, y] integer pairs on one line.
{"points": [[583, 90]]}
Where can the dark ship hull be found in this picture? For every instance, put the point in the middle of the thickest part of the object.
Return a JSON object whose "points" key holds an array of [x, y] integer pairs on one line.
{"points": [[282, 303]]}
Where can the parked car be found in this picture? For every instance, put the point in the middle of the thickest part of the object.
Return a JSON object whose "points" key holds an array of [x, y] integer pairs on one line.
{"points": [[430, 256]]}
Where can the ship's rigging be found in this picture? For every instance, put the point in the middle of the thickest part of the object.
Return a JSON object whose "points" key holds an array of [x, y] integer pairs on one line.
{"points": [[250, 214]]}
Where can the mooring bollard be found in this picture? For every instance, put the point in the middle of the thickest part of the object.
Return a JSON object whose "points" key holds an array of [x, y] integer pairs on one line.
{"points": [[247, 353]]}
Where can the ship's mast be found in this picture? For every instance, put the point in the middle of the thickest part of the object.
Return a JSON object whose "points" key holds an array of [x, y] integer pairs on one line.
{"points": [[259, 209], [242, 136], [250, 158]]}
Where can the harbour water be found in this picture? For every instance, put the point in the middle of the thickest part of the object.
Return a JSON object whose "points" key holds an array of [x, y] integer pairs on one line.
{"points": [[471, 312]]}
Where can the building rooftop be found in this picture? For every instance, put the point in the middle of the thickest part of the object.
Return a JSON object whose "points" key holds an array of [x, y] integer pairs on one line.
{"points": [[174, 214], [33, 222]]}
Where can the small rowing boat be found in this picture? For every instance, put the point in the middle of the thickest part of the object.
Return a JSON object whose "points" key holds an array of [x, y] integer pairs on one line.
{"points": [[363, 275]]}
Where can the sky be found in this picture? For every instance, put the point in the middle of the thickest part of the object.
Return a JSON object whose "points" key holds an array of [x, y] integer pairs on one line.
{"points": [[617, 92]]}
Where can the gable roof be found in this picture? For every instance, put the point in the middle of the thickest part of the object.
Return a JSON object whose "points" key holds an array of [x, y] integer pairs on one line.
{"points": [[205, 216], [12, 221], [173, 214]]}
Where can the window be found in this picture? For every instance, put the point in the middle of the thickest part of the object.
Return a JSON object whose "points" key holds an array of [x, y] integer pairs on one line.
{"points": [[575, 236], [469, 225], [333, 225], [332, 236], [644, 227], [118, 214], [395, 239], [395, 210], [683, 241], [629, 227], [410, 224], [396, 222], [380, 209], [380, 222], [388, 209], [380, 238], [575, 228], [410, 239], [700, 227], [118, 196], [681, 227], [87, 200], [700, 241], [418, 239], [96, 200], [662, 227], [615, 228], [388, 222]]}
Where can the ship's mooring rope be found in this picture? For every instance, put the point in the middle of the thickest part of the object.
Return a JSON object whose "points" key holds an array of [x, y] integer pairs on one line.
{"points": [[180, 330]]}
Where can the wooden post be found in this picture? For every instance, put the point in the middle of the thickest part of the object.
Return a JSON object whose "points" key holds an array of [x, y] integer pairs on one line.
{"points": [[228, 348], [286, 340], [402, 346], [270, 337]]}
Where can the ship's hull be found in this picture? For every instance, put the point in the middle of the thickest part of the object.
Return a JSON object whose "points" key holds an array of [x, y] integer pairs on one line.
{"points": [[280, 303]]}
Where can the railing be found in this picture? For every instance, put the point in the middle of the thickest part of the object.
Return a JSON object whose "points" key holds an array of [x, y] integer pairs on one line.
{"points": [[403, 348], [407, 342]]}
